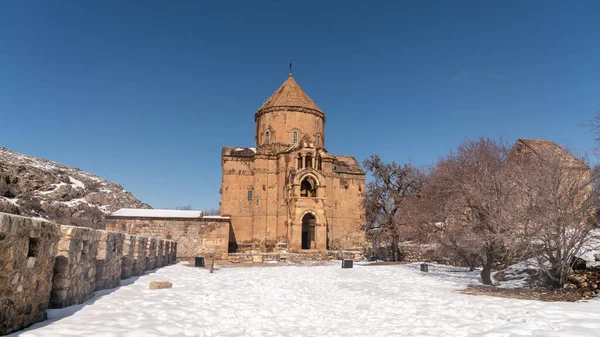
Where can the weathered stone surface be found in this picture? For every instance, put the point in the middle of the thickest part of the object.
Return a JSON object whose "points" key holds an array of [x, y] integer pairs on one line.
{"points": [[108, 262], [160, 252], [193, 237], [74, 267], [151, 253], [139, 255], [128, 256], [27, 251], [257, 259], [160, 285]]}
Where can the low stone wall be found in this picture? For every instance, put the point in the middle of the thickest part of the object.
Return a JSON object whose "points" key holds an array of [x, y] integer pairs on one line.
{"points": [[108, 262], [151, 254], [139, 255], [74, 267], [128, 256], [27, 251], [194, 237], [43, 265], [260, 257]]}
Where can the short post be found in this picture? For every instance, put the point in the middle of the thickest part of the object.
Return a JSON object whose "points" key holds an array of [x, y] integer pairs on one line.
{"points": [[347, 263], [424, 267], [199, 262]]}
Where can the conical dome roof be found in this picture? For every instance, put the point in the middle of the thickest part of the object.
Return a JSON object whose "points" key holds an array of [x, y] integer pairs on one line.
{"points": [[289, 95]]}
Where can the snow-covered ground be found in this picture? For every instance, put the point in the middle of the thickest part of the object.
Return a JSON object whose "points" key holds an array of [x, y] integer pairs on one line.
{"points": [[321, 300]]}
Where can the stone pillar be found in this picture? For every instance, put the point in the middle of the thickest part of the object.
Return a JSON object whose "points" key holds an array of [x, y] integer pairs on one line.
{"points": [[167, 256], [139, 255], [108, 263], [74, 277], [128, 256], [151, 254], [174, 251], [160, 252], [27, 251]]}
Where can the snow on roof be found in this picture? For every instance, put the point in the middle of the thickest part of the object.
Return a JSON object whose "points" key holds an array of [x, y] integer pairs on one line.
{"points": [[216, 217], [156, 213]]}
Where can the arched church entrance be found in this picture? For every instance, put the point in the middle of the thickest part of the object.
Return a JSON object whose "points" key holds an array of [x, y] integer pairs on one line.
{"points": [[308, 231]]}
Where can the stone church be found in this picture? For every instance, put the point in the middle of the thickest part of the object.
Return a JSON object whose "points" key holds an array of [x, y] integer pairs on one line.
{"points": [[288, 192]]}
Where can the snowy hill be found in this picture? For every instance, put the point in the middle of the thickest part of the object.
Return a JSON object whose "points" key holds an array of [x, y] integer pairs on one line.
{"points": [[39, 187]]}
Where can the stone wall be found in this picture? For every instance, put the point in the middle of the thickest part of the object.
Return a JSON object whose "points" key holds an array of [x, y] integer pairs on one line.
{"points": [[194, 237], [108, 263], [27, 251], [74, 278], [128, 256], [43, 265], [139, 255]]}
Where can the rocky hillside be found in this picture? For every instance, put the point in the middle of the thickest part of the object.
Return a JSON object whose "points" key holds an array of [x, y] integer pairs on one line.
{"points": [[42, 188]]}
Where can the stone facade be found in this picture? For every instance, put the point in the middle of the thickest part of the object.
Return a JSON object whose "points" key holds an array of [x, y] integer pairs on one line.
{"points": [[27, 251], [289, 193], [194, 237], [74, 278], [139, 255], [128, 254], [108, 262]]}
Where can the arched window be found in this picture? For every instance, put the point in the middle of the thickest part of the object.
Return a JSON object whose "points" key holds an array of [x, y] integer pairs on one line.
{"points": [[299, 161], [308, 188], [267, 137], [295, 137], [249, 195], [308, 160], [318, 140]]}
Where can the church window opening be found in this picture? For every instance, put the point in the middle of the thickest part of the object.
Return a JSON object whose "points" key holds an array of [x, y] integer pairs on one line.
{"points": [[308, 160], [319, 163], [267, 137], [295, 137], [257, 201], [299, 161], [308, 188], [249, 195], [319, 140]]}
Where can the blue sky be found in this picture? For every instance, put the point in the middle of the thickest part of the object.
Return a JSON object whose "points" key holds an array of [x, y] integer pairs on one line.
{"points": [[145, 93]]}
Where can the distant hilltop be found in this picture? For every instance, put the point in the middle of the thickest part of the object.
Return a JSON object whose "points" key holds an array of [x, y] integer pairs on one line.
{"points": [[38, 187]]}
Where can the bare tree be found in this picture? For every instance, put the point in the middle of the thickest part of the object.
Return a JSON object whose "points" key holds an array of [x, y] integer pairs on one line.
{"points": [[556, 211], [184, 207], [469, 205], [386, 199], [212, 211]]}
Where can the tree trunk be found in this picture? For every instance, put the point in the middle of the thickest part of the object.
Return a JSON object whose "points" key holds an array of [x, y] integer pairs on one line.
{"points": [[486, 273]]}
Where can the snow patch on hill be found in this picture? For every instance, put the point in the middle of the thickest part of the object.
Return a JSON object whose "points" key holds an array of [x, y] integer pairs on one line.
{"points": [[42, 188]]}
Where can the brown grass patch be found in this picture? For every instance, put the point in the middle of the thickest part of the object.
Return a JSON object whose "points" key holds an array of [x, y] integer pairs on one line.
{"points": [[539, 294]]}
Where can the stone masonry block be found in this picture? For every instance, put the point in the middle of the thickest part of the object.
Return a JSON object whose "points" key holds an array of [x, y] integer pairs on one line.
{"points": [[74, 277], [27, 251]]}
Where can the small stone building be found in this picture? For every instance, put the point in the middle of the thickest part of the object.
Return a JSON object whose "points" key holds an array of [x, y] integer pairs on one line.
{"points": [[288, 192], [195, 234]]}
